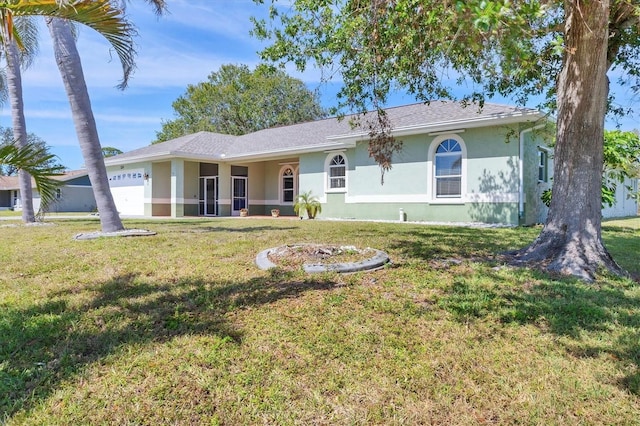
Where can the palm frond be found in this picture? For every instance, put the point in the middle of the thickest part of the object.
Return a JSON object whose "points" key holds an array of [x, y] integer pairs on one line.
{"points": [[159, 6], [100, 15], [34, 160], [25, 32]]}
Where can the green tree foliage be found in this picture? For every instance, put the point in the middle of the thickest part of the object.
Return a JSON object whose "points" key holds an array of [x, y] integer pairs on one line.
{"points": [[48, 159], [559, 50], [235, 100], [109, 151], [621, 162]]}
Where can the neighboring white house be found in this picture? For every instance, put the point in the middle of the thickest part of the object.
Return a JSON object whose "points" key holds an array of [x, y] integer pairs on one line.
{"points": [[625, 205], [76, 195], [457, 165]]}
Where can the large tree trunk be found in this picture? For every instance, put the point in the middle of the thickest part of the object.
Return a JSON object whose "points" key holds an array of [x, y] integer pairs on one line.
{"points": [[70, 66], [570, 242], [14, 87]]}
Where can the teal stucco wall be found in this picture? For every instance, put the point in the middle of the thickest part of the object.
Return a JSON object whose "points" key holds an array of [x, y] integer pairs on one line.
{"points": [[490, 183]]}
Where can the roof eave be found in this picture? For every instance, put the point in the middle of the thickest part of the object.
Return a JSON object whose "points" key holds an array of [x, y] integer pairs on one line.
{"points": [[279, 153], [142, 158], [443, 126]]}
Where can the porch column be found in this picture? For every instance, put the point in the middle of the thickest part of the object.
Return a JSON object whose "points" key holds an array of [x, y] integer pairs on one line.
{"points": [[177, 188], [224, 188]]}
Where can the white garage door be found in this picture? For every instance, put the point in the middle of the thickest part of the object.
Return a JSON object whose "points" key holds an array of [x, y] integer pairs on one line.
{"points": [[129, 200]]}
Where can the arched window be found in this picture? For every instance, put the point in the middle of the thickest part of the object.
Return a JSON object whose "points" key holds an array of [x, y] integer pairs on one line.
{"points": [[288, 185], [448, 169], [337, 172]]}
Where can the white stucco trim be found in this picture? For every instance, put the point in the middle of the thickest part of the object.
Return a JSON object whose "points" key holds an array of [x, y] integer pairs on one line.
{"points": [[267, 202], [161, 200], [387, 198], [424, 199], [507, 197]]}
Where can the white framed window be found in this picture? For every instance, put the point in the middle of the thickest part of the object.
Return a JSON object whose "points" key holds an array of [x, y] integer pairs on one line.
{"points": [[543, 165], [337, 172], [288, 184], [448, 169], [447, 162]]}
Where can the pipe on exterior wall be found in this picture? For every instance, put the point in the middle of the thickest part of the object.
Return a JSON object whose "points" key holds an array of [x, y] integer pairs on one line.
{"points": [[521, 169]]}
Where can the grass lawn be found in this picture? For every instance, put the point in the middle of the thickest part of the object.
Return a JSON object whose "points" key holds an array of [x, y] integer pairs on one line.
{"points": [[10, 213], [182, 328]]}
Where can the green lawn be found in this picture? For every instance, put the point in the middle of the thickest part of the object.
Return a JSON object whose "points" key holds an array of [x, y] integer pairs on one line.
{"points": [[11, 214], [182, 328]]}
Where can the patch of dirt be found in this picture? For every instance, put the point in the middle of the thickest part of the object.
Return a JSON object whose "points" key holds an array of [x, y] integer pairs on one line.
{"points": [[292, 257], [123, 233]]}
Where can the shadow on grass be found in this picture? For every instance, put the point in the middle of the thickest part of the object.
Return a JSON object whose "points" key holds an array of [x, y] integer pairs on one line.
{"points": [[624, 246], [438, 242], [243, 230], [45, 344], [594, 319]]}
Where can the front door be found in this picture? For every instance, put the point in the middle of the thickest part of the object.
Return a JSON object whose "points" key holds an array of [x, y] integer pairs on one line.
{"points": [[208, 196], [238, 194]]}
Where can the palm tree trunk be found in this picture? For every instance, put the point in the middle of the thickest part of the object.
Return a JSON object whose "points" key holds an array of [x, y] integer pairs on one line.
{"points": [[70, 67], [14, 87]]}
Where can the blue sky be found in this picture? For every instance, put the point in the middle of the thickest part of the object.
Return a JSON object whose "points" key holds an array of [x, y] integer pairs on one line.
{"points": [[183, 47]]}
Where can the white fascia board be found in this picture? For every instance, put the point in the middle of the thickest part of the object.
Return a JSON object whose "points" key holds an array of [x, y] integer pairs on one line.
{"points": [[449, 125], [161, 156], [204, 157], [139, 159], [252, 156]]}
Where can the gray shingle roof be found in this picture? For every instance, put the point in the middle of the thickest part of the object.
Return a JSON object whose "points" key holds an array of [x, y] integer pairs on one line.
{"points": [[196, 144], [322, 134]]}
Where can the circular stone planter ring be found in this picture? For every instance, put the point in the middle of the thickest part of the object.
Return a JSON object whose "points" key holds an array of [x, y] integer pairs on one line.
{"points": [[378, 260], [123, 233]]}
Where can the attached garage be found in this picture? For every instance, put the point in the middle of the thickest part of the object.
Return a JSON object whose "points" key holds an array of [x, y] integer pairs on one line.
{"points": [[127, 189]]}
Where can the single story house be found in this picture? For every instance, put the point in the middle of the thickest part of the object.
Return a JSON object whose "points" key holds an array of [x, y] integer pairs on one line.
{"points": [[457, 164], [76, 195]]}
